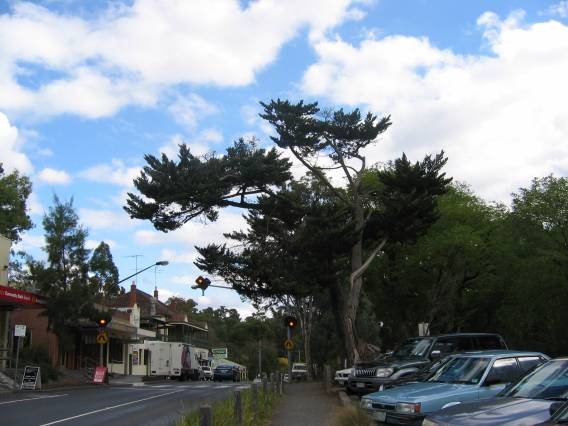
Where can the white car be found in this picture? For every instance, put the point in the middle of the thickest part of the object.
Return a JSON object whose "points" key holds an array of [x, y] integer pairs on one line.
{"points": [[341, 376], [207, 372]]}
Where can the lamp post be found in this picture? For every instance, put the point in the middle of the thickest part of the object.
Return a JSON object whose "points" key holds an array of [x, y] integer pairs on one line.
{"points": [[158, 263]]}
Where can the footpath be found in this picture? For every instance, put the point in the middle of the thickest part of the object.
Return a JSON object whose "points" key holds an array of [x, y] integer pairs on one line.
{"points": [[306, 404]]}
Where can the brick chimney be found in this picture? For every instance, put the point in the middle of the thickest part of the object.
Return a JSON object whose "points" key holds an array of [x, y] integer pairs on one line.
{"points": [[156, 292], [132, 293]]}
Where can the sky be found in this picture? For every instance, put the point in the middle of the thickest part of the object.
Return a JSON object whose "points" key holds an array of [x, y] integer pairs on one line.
{"points": [[89, 87]]}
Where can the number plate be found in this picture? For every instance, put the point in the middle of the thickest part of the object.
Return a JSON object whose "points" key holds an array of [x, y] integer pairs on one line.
{"points": [[379, 416], [360, 385]]}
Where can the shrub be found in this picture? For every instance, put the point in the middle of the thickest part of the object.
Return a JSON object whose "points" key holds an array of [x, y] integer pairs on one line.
{"points": [[38, 356], [352, 416]]}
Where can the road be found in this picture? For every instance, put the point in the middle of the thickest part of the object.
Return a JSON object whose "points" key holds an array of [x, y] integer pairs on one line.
{"points": [[147, 405]]}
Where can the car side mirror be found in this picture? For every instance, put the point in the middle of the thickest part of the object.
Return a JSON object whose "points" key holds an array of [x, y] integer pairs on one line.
{"points": [[436, 354]]}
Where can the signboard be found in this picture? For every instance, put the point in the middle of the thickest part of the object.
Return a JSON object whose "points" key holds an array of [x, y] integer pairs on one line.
{"points": [[21, 297], [288, 345], [19, 330], [5, 244], [100, 375], [220, 353], [102, 338], [31, 379]]}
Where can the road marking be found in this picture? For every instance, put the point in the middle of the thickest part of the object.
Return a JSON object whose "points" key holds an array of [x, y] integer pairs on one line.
{"points": [[33, 399], [108, 408]]}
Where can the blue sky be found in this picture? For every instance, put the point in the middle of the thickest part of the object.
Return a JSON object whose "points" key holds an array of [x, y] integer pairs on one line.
{"points": [[88, 88]]}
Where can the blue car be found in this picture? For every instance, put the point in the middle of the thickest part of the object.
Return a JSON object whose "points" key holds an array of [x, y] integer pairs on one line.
{"points": [[465, 377]]}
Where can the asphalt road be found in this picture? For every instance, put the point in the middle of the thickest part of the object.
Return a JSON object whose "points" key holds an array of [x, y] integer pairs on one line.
{"points": [[148, 405]]}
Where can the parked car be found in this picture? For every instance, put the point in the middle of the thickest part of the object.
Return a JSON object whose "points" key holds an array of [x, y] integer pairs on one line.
{"points": [[207, 372], [299, 371], [341, 376], [464, 377], [559, 414], [226, 372], [529, 401], [412, 356]]}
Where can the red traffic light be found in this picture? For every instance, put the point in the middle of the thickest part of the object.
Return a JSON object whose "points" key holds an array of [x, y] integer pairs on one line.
{"points": [[199, 281], [102, 322], [290, 322]]}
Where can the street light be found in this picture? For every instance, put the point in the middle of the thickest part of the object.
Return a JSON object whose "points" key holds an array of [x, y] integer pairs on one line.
{"points": [[158, 263]]}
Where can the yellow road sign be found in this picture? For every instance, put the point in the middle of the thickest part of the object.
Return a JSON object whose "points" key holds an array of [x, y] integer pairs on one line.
{"points": [[288, 345], [102, 338]]}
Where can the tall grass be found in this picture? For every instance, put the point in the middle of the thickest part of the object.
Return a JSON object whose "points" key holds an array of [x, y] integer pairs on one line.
{"points": [[223, 412], [352, 416]]}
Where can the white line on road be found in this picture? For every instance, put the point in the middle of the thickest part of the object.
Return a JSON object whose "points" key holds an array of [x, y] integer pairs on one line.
{"points": [[109, 408], [32, 399]]}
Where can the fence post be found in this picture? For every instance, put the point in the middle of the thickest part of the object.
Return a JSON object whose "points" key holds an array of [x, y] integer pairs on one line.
{"points": [[264, 389], [327, 370], [238, 408], [281, 383], [205, 418]]}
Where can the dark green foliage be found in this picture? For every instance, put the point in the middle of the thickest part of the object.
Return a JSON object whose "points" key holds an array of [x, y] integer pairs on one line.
{"points": [[195, 187], [38, 356], [14, 192], [104, 273]]}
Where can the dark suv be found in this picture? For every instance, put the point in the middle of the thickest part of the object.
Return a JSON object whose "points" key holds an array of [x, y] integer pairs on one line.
{"points": [[412, 356]]}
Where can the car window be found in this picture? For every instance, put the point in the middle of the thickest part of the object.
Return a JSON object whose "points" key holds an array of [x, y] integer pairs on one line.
{"points": [[529, 362], [464, 343], [413, 347], [466, 370], [548, 381], [505, 370]]}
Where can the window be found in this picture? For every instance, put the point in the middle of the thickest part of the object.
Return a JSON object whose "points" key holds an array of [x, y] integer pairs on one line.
{"points": [[490, 342], [504, 370], [529, 362], [115, 351]]}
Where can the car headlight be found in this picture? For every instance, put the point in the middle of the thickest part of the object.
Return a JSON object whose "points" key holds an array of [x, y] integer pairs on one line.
{"points": [[384, 372], [366, 403], [407, 408]]}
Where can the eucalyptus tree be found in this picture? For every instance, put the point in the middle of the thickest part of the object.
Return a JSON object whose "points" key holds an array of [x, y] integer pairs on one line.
{"points": [[104, 273], [402, 207]]}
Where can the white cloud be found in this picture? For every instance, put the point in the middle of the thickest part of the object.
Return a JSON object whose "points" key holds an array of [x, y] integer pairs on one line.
{"points": [[559, 9], [189, 109], [173, 256], [54, 177], [30, 242], [12, 158], [130, 54], [500, 117], [106, 219], [116, 173]]}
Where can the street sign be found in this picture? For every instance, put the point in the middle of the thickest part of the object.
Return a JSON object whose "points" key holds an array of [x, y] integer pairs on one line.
{"points": [[20, 330], [100, 375], [288, 345], [31, 380], [220, 353], [102, 338]]}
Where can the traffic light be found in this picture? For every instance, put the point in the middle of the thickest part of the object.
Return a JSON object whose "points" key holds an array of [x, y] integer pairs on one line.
{"points": [[290, 322], [102, 319], [201, 283]]}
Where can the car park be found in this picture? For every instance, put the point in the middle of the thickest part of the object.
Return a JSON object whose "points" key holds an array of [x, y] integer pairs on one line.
{"points": [[226, 372], [412, 356], [464, 377], [534, 399]]}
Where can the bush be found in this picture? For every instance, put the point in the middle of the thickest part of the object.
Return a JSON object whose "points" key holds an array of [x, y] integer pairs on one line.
{"points": [[39, 357], [223, 412]]}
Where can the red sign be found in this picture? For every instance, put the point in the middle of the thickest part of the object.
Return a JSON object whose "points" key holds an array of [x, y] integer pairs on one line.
{"points": [[21, 297], [100, 375]]}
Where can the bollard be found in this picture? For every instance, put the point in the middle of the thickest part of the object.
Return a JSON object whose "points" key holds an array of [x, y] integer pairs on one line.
{"points": [[238, 409], [327, 370], [205, 417]]}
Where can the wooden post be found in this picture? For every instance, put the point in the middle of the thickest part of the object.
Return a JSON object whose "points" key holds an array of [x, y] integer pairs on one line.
{"points": [[264, 389], [281, 383], [327, 370], [205, 417], [238, 408]]}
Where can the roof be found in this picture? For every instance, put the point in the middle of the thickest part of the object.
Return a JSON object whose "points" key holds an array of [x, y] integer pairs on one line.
{"points": [[144, 301], [498, 353]]}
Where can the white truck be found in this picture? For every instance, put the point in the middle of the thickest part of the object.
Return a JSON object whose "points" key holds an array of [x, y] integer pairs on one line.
{"points": [[177, 360], [299, 371]]}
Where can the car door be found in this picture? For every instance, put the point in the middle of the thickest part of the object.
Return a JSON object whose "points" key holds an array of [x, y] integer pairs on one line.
{"points": [[502, 372]]}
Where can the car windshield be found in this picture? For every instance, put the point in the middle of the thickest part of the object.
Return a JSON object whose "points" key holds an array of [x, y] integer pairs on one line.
{"points": [[550, 381], [466, 370], [413, 348]]}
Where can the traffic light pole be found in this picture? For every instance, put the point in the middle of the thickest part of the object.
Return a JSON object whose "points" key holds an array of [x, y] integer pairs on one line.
{"points": [[289, 336]]}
